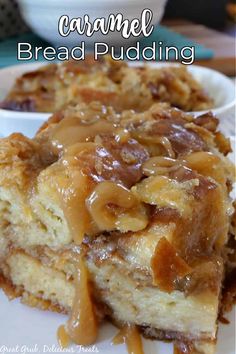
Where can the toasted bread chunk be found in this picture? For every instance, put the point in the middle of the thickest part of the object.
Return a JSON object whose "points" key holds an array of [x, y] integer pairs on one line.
{"points": [[119, 215]]}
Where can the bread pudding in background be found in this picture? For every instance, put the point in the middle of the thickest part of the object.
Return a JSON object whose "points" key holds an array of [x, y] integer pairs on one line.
{"points": [[53, 87], [122, 215]]}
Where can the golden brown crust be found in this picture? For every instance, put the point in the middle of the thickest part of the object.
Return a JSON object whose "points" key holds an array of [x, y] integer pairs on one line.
{"points": [[21, 160]]}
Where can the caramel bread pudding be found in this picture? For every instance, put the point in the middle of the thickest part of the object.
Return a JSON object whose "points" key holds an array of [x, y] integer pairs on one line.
{"points": [[124, 216], [112, 83]]}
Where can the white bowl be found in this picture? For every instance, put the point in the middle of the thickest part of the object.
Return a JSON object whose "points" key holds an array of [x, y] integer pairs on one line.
{"points": [[217, 85], [42, 16], [11, 121]]}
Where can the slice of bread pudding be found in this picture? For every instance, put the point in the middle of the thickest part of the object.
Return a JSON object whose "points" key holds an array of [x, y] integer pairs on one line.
{"points": [[119, 215], [112, 83]]}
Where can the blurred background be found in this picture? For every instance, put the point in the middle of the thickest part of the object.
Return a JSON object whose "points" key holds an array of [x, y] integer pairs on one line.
{"points": [[210, 24], [213, 13]]}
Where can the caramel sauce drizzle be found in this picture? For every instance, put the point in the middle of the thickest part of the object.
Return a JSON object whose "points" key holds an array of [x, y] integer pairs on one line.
{"points": [[82, 324], [91, 162], [183, 348], [130, 335], [81, 328], [63, 337], [129, 216], [73, 190], [160, 165], [165, 142], [70, 131], [82, 178], [167, 266], [84, 199]]}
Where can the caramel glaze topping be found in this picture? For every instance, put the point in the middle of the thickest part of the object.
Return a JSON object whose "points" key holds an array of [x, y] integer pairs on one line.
{"points": [[69, 132], [171, 125], [196, 242], [130, 335], [181, 139], [94, 149], [98, 168], [167, 266], [101, 155], [84, 166]]}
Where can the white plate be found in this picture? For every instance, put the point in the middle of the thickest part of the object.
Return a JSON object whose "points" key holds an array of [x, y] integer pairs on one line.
{"points": [[29, 327], [218, 86]]}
